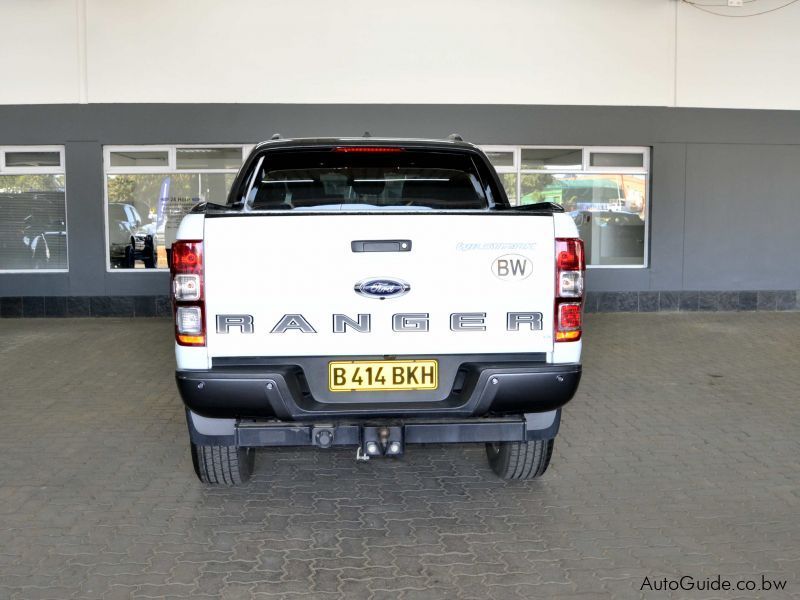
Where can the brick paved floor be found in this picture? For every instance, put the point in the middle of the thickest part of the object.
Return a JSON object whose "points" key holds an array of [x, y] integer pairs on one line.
{"points": [[679, 456]]}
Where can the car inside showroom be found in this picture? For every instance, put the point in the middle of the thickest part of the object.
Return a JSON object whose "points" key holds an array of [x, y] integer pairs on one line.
{"points": [[436, 300]]}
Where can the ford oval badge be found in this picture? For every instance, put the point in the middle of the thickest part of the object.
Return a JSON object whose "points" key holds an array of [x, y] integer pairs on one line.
{"points": [[382, 288]]}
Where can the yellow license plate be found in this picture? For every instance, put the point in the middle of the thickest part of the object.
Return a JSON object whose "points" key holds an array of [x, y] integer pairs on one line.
{"points": [[383, 375]]}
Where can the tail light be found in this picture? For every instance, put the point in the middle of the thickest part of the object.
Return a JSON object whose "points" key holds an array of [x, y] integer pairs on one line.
{"points": [[570, 269], [187, 292]]}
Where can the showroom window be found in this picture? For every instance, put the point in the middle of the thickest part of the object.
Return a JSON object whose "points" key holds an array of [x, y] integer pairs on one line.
{"points": [[33, 220], [604, 189], [149, 189]]}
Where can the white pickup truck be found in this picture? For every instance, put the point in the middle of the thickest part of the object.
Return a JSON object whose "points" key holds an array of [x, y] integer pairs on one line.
{"points": [[374, 293]]}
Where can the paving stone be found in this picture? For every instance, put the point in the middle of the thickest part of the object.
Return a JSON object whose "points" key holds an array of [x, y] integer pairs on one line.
{"points": [[55, 306], [708, 301], [787, 300], [10, 307], [766, 300], [748, 300], [144, 306], [728, 301], [678, 456], [668, 301], [648, 301], [33, 306], [688, 301]]}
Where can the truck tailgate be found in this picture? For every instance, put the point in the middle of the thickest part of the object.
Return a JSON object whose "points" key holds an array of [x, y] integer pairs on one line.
{"points": [[303, 265]]}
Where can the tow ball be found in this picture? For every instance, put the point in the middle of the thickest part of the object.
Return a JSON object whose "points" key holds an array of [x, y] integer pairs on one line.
{"points": [[380, 441]]}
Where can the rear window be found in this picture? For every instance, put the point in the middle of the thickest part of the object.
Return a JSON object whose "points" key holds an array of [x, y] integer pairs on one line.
{"points": [[358, 179]]}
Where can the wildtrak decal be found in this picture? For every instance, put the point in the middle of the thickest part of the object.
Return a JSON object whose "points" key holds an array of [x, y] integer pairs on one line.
{"points": [[467, 246]]}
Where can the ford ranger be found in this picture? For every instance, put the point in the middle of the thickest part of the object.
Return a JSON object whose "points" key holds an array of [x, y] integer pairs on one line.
{"points": [[374, 293]]}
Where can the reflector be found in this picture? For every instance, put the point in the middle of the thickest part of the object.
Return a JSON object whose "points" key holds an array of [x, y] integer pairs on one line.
{"points": [[569, 316]]}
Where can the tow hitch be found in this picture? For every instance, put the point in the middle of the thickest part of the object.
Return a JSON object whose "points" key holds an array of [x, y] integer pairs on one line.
{"points": [[390, 440], [380, 441]]}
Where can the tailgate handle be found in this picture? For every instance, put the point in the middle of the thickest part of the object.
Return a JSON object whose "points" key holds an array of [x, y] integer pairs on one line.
{"points": [[380, 245]]}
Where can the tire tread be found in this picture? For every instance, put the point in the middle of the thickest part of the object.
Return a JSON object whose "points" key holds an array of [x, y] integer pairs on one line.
{"points": [[222, 465], [520, 460]]}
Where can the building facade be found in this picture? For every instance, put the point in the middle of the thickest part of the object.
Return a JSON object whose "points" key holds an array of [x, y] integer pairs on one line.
{"points": [[670, 134]]}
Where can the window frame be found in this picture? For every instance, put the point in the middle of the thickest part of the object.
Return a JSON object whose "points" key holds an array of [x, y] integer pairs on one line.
{"points": [[61, 169], [584, 158], [174, 155], [514, 170], [53, 170], [170, 169], [586, 168], [644, 169], [109, 150]]}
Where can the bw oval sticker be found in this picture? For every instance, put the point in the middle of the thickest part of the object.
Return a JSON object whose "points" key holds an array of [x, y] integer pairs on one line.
{"points": [[512, 266]]}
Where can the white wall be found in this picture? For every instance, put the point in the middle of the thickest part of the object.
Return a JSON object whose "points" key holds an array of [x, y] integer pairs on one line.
{"points": [[39, 52], [608, 52], [739, 62]]}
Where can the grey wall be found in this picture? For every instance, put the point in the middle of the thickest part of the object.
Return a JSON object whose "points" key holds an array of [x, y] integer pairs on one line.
{"points": [[742, 212], [724, 205]]}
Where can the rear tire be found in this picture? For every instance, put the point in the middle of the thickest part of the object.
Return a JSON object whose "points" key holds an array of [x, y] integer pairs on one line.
{"points": [[223, 465], [520, 460], [149, 253]]}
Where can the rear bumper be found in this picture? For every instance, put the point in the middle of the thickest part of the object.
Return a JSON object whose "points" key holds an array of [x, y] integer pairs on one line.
{"points": [[416, 431], [254, 434], [282, 392]]}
